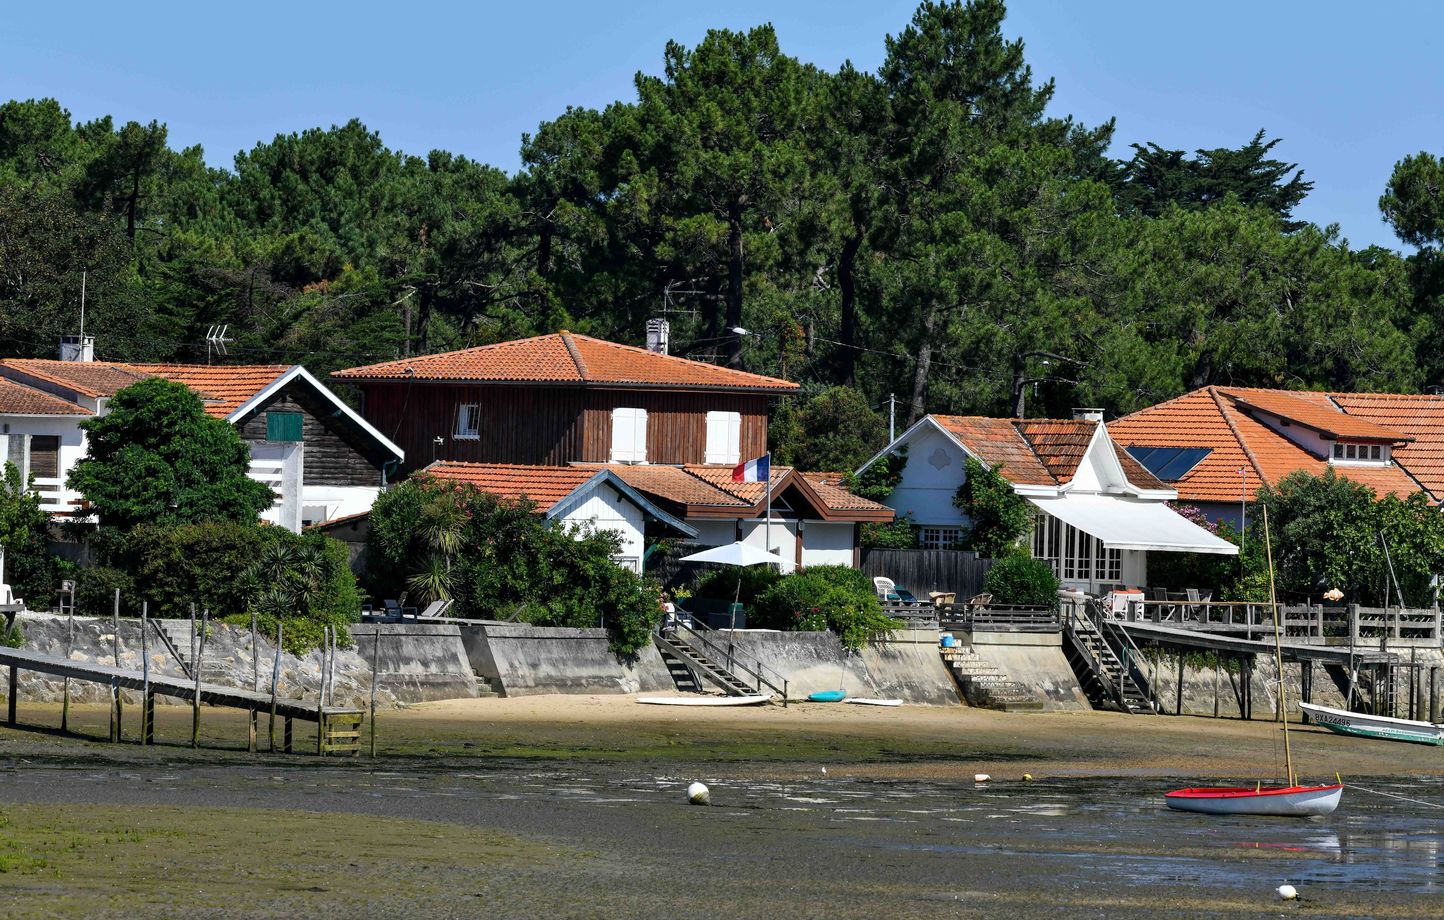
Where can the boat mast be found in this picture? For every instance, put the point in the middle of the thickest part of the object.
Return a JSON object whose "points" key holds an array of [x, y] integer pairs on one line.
{"points": [[1278, 651]]}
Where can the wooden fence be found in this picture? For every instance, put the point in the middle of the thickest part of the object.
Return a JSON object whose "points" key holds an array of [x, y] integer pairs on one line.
{"points": [[923, 570]]}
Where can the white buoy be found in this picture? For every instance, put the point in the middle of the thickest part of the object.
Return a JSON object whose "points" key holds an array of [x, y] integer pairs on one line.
{"points": [[1027, 777], [981, 778], [1288, 893], [699, 794]]}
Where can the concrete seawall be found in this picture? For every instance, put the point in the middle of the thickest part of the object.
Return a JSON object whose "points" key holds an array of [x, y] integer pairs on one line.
{"points": [[906, 666], [1036, 661], [417, 661], [521, 660]]}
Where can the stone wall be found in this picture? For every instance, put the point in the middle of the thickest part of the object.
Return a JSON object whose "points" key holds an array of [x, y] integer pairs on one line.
{"points": [[413, 667], [523, 660], [1036, 661], [905, 666]]}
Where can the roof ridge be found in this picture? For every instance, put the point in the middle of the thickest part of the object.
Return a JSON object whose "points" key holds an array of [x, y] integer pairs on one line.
{"points": [[575, 353], [1238, 435]]}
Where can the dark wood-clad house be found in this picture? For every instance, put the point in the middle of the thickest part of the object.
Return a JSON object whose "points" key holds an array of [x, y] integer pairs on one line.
{"points": [[320, 457], [565, 398]]}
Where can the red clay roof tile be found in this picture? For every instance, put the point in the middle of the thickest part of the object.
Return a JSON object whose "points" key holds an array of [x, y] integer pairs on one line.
{"points": [[1313, 410], [223, 387], [563, 358], [18, 399], [543, 485]]}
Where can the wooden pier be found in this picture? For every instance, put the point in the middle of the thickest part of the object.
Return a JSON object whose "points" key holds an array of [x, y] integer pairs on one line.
{"points": [[338, 728]]}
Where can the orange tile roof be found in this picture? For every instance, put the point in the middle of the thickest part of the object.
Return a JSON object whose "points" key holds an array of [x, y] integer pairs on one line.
{"points": [[676, 485], [223, 387], [543, 485], [999, 443], [749, 492], [88, 378], [18, 399], [566, 358], [1313, 410], [830, 488], [1421, 417], [1209, 418], [1059, 443]]}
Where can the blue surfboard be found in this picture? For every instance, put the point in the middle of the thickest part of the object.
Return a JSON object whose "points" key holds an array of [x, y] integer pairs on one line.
{"points": [[827, 696]]}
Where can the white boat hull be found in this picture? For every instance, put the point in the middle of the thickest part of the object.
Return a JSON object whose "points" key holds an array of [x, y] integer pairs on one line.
{"points": [[702, 700], [1290, 802], [1366, 726], [868, 701]]}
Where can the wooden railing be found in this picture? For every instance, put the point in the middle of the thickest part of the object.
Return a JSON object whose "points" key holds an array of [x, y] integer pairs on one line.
{"points": [[1318, 623], [999, 618], [913, 616]]}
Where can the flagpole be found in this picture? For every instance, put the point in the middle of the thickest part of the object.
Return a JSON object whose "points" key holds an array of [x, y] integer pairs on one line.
{"points": [[768, 532]]}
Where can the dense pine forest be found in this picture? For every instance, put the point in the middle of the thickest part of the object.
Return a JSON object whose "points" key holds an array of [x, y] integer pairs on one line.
{"points": [[931, 230]]}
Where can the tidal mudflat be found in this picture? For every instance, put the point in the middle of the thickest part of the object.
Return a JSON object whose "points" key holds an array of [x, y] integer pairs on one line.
{"points": [[519, 812]]}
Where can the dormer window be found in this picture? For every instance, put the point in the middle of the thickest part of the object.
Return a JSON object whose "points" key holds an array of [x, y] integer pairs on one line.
{"points": [[1347, 452]]}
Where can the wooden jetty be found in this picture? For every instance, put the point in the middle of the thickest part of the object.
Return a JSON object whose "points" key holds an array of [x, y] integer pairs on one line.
{"points": [[338, 728]]}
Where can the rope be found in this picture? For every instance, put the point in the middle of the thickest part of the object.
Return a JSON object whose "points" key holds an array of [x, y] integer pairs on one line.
{"points": [[1393, 796]]}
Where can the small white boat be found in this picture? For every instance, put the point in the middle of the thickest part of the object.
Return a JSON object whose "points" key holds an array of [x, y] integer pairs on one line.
{"points": [[1367, 726], [869, 701], [702, 700], [1281, 801]]}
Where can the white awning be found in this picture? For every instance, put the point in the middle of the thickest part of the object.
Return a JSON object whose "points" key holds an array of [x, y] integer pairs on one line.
{"points": [[1130, 523]]}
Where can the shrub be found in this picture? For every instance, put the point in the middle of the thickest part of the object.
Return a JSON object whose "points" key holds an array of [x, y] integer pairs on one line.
{"points": [[95, 589], [998, 517], [1022, 580], [825, 597], [722, 583], [899, 534], [877, 481]]}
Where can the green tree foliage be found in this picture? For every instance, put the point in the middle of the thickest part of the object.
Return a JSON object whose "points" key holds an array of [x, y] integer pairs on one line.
{"points": [[157, 458], [899, 534], [877, 481], [1157, 179], [506, 562], [831, 597], [835, 430], [1023, 581], [1331, 532], [29, 568], [998, 517], [1413, 201]]}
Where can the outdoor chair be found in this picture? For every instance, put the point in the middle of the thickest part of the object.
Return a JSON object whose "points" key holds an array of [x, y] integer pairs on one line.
{"points": [[1163, 611], [886, 588], [980, 600], [435, 609]]}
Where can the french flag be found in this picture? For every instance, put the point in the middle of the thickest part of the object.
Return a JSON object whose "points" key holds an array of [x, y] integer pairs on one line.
{"points": [[759, 470]]}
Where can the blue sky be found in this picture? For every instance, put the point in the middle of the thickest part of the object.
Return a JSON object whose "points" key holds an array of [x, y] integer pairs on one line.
{"points": [[1350, 87]]}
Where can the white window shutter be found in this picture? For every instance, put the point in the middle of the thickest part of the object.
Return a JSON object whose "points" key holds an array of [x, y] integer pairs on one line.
{"points": [[724, 438], [639, 435], [629, 435]]}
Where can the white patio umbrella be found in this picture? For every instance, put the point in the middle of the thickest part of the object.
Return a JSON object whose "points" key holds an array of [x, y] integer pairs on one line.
{"points": [[741, 555]]}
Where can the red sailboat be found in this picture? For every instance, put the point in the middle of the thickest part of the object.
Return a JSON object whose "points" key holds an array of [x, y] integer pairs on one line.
{"points": [[1291, 800]]}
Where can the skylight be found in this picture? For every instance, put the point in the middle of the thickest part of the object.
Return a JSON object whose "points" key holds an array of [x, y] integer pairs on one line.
{"points": [[1169, 464]]}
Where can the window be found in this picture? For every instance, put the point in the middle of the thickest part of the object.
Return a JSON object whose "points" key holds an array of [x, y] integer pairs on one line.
{"points": [[1074, 555], [629, 435], [283, 426], [1361, 453], [938, 537], [1374, 452], [45, 456], [1338, 451], [724, 438], [468, 421]]}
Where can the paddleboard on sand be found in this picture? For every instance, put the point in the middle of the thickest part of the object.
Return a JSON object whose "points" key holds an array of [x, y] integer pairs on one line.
{"points": [[827, 696], [866, 701], [702, 700]]}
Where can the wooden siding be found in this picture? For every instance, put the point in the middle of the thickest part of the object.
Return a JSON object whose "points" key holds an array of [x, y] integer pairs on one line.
{"points": [[676, 423], [552, 425], [337, 454]]}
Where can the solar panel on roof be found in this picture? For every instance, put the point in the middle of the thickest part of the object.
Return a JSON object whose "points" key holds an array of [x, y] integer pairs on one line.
{"points": [[1169, 464]]}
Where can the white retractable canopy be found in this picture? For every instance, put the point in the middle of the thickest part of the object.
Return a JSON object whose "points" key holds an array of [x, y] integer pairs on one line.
{"points": [[1129, 523]]}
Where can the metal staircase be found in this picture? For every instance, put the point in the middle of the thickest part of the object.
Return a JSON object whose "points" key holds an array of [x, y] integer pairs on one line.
{"points": [[1108, 680], [984, 684], [694, 653]]}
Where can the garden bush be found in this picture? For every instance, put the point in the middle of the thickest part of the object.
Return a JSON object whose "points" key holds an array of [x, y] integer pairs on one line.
{"points": [[824, 597], [722, 583], [1022, 580]]}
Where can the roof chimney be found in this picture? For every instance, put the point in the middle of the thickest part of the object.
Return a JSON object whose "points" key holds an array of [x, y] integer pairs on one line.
{"points": [[1088, 415], [659, 331], [77, 348]]}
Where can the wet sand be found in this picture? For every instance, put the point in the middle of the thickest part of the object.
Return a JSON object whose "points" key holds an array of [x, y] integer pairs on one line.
{"points": [[573, 807]]}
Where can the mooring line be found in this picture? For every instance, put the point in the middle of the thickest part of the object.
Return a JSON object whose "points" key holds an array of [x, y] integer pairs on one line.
{"points": [[1393, 796]]}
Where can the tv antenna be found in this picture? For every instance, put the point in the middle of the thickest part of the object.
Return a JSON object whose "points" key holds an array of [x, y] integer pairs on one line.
{"points": [[216, 341]]}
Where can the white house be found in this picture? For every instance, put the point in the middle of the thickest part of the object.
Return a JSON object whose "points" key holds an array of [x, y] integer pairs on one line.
{"points": [[1101, 512], [321, 458]]}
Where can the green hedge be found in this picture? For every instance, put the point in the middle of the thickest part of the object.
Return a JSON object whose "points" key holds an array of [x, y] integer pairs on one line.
{"points": [[1022, 580], [831, 597]]}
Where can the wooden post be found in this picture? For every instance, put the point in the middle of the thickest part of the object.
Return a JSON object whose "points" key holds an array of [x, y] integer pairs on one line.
{"points": [[196, 662], [14, 691], [1433, 694], [1215, 683], [1306, 685], [69, 647], [1413, 682], [1178, 696], [1246, 676], [276, 676], [147, 706], [375, 657], [321, 691], [117, 696], [193, 636], [255, 684], [287, 735], [115, 711]]}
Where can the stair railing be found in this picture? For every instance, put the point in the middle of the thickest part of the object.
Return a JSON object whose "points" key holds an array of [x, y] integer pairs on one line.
{"points": [[1132, 654], [756, 670], [1078, 623]]}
